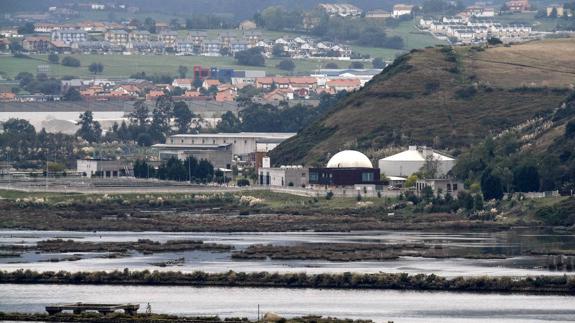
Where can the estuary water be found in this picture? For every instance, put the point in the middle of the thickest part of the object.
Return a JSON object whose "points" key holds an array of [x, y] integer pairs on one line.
{"points": [[381, 306], [510, 243]]}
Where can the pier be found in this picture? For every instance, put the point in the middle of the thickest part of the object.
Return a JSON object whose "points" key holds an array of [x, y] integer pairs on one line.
{"points": [[79, 308]]}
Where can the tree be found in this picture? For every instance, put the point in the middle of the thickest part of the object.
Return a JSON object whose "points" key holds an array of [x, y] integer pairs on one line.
{"points": [[356, 65], [494, 41], [491, 186], [71, 61], [278, 50], [27, 28], [378, 63], [140, 114], [286, 65], [96, 68], [570, 129], [182, 71], [229, 123], [183, 117], [90, 130], [72, 95], [19, 128], [161, 116], [251, 57], [526, 178], [53, 58]]}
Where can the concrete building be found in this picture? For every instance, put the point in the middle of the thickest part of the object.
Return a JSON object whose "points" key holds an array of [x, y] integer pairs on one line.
{"points": [[412, 160], [244, 145], [219, 155], [104, 168], [284, 176]]}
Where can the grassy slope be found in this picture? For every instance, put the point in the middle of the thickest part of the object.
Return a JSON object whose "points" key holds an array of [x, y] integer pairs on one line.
{"points": [[394, 110]]}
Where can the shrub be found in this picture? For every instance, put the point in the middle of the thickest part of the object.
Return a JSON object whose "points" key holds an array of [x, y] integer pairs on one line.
{"points": [[71, 61], [243, 182]]}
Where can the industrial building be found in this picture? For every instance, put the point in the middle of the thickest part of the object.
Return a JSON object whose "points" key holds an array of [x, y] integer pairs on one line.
{"points": [[412, 160], [346, 168], [243, 145]]}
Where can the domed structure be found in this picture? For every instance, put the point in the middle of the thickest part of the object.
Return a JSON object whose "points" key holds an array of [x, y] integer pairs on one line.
{"points": [[349, 159]]}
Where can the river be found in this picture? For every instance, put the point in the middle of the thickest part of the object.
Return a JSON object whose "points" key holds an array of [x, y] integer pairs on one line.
{"points": [[510, 243], [381, 306]]}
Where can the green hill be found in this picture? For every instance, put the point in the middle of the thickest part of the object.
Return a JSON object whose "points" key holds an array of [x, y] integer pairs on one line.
{"points": [[448, 98]]}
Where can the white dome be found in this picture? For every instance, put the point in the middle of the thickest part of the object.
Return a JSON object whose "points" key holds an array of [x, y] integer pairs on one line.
{"points": [[349, 159]]}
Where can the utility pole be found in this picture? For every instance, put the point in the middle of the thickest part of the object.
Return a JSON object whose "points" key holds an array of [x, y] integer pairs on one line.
{"points": [[46, 178], [258, 312]]}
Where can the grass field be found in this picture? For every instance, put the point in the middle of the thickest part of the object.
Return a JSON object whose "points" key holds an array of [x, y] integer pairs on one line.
{"points": [[126, 65]]}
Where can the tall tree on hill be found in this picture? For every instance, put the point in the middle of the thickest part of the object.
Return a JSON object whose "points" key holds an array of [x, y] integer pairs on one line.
{"points": [[96, 68], [182, 71], [161, 116], [183, 117], [90, 130], [491, 186], [139, 116]]}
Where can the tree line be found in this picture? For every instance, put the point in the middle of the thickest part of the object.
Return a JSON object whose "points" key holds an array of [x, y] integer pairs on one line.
{"points": [[175, 169], [401, 281]]}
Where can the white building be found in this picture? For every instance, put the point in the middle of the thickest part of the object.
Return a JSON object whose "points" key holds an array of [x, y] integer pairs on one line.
{"points": [[103, 168], [284, 176], [401, 10], [412, 160]]}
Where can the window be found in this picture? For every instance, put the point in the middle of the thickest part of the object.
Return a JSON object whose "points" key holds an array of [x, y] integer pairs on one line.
{"points": [[367, 177], [448, 187], [455, 186], [313, 176]]}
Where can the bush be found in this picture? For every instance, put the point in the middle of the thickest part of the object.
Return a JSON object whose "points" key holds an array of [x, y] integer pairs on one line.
{"points": [[71, 61], [466, 93], [329, 195], [286, 65], [243, 182]]}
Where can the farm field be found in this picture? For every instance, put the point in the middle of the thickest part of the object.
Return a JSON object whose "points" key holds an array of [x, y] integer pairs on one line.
{"points": [[126, 65]]}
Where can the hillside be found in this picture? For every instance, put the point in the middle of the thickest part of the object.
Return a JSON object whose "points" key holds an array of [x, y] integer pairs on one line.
{"points": [[449, 98]]}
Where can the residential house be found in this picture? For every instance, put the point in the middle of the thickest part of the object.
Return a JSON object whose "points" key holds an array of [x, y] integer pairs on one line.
{"points": [[518, 5], [69, 36], [162, 27], [168, 38], [340, 9], [154, 94], [402, 10], [139, 36], [117, 37], [7, 97], [211, 48], [378, 14], [187, 84], [253, 37], [39, 44], [209, 83], [247, 25], [46, 27], [279, 95], [558, 11], [197, 37], [344, 84], [238, 46]]}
